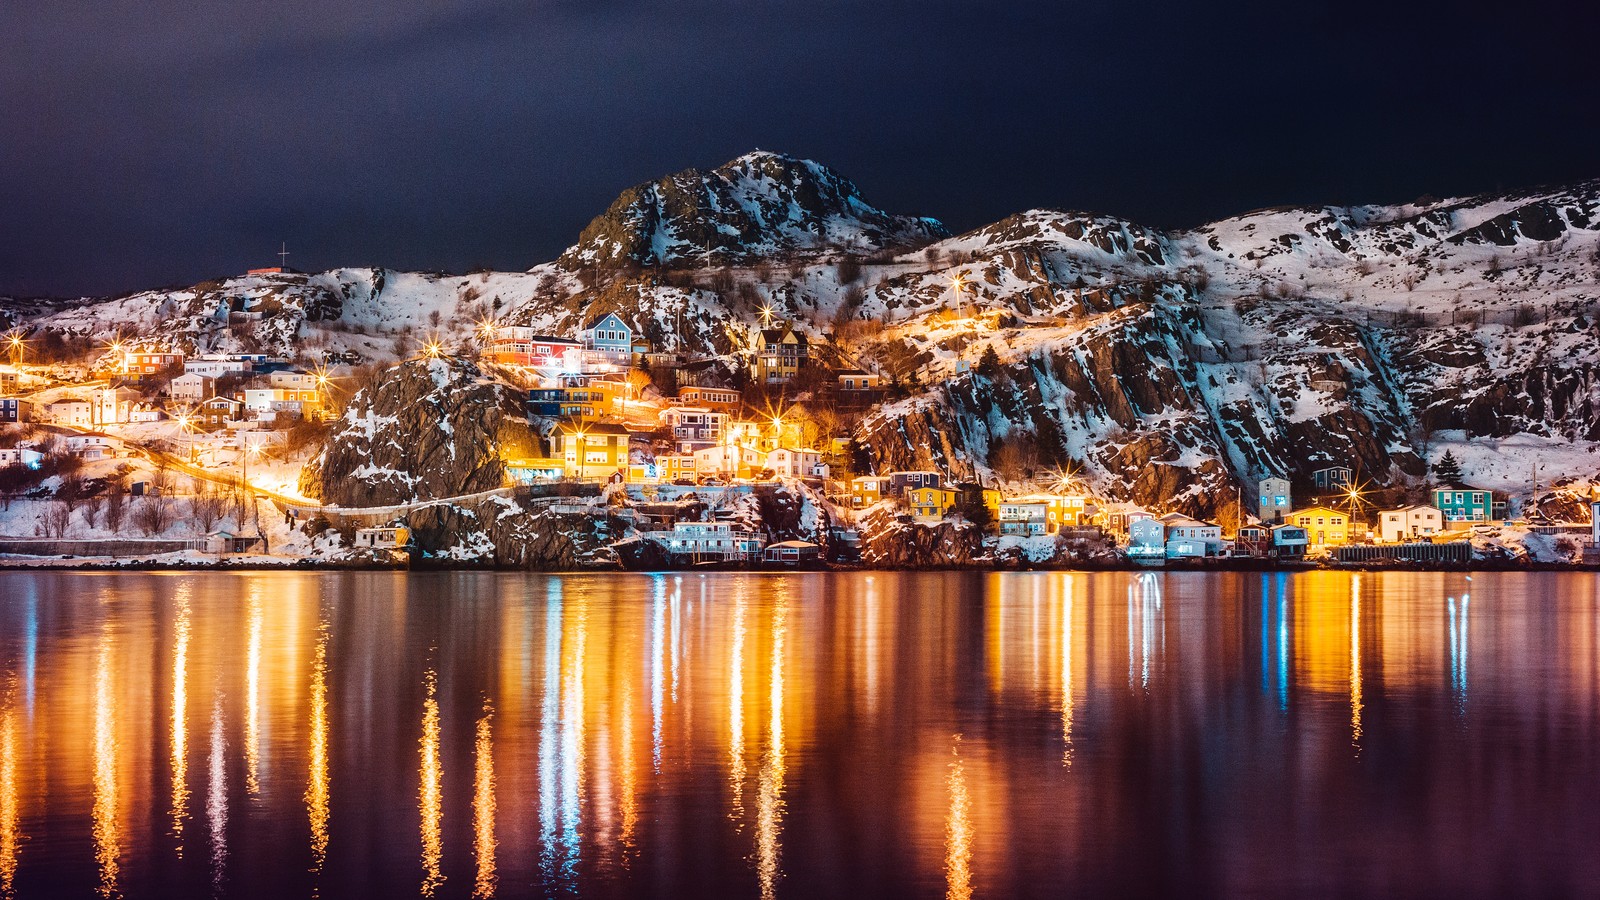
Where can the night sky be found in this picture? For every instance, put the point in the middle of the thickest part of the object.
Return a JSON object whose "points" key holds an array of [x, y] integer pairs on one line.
{"points": [[168, 141]]}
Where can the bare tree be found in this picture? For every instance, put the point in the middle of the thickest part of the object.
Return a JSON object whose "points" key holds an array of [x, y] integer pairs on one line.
{"points": [[152, 515], [92, 508], [71, 491], [206, 508], [116, 508], [56, 518]]}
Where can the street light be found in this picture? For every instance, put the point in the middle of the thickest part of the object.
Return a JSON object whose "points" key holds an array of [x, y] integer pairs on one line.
{"points": [[16, 342], [432, 350], [956, 284]]}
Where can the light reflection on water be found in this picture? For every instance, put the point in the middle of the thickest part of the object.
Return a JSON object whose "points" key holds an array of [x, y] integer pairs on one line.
{"points": [[689, 735]]}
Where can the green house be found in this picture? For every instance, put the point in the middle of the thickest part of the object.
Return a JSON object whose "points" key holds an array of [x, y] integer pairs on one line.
{"points": [[1462, 504]]}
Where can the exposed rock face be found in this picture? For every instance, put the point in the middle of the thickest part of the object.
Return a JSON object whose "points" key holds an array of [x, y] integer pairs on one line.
{"points": [[888, 543], [505, 533], [428, 429], [759, 205]]}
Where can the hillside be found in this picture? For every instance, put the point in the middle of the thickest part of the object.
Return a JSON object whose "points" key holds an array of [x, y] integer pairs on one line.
{"points": [[1165, 367]]}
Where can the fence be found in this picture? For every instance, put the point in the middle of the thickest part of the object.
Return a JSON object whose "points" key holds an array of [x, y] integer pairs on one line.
{"points": [[1452, 552]]}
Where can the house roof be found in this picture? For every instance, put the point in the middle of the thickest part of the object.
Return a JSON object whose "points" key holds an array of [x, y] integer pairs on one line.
{"points": [[1401, 509], [601, 428], [603, 316], [792, 545], [1319, 508], [1458, 486], [852, 372]]}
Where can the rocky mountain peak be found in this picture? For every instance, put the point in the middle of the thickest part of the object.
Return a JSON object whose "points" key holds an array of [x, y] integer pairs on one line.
{"points": [[759, 206]]}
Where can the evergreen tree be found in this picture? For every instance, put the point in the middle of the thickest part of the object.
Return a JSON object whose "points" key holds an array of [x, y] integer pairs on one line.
{"points": [[989, 363], [1447, 470]]}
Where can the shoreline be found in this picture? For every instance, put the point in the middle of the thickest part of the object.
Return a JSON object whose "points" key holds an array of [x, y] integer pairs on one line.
{"points": [[257, 564]]}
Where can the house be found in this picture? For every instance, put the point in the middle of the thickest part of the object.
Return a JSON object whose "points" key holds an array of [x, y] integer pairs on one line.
{"points": [[91, 446], [190, 387], [971, 495], [217, 366], [900, 482], [1119, 517], [1332, 478], [708, 542], [217, 412], [10, 380], [728, 461], [149, 362], [228, 542], [72, 411], [931, 502], [113, 405], [389, 537], [293, 379], [1324, 525], [1252, 540], [785, 462], [780, 354], [1409, 523], [867, 490], [532, 469], [1463, 506], [1147, 538], [592, 451], [1188, 537], [792, 552], [1040, 513], [273, 402], [1594, 523], [857, 380], [520, 345], [146, 412], [20, 456], [13, 410], [1273, 499], [608, 339], [1288, 541], [672, 467], [694, 426], [724, 399]]}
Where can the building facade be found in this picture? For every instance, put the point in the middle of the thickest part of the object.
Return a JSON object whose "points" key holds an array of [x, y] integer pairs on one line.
{"points": [[1409, 523], [1273, 500], [1463, 506], [1325, 526]]}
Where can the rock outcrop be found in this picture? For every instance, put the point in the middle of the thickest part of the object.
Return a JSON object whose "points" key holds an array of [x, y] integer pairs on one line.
{"points": [[889, 540], [503, 532], [428, 429]]}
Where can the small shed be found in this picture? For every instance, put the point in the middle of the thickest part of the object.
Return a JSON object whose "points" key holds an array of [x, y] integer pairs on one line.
{"points": [[228, 542], [790, 552], [389, 537]]}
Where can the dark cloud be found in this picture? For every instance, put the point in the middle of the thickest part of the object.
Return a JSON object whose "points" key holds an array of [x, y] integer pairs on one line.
{"points": [[164, 142]]}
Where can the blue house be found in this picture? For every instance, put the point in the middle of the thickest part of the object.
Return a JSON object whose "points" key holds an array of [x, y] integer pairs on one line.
{"points": [[610, 337], [1462, 505]]}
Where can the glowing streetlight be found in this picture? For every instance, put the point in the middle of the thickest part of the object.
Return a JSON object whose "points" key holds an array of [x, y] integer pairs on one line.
{"points": [[766, 315], [432, 350], [16, 342]]}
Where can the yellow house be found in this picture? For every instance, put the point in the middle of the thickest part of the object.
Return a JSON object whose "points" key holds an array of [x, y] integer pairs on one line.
{"points": [[1325, 526], [930, 502], [867, 490], [593, 451]]}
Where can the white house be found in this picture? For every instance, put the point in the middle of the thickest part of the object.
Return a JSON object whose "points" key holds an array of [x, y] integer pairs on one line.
{"points": [[708, 541], [728, 461], [788, 463], [20, 456], [1147, 538], [1273, 500], [216, 366], [389, 537], [91, 446], [1190, 537], [1594, 521], [70, 411], [1409, 523], [293, 379], [190, 387], [112, 406]]}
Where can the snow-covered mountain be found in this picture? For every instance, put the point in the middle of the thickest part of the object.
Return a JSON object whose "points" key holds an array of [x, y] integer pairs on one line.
{"points": [[1167, 367]]}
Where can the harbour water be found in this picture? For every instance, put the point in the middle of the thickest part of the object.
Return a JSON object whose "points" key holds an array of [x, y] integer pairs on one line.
{"points": [[799, 735]]}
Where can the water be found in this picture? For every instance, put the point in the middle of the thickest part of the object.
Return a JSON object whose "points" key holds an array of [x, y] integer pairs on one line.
{"points": [[793, 736]]}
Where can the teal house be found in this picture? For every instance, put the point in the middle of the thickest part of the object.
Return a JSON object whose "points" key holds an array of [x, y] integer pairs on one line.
{"points": [[1462, 504]]}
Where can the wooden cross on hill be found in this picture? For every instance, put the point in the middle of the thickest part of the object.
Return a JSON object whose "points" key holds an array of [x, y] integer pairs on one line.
{"points": [[283, 254]]}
